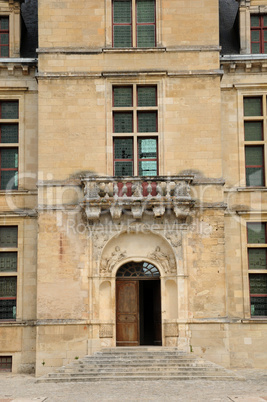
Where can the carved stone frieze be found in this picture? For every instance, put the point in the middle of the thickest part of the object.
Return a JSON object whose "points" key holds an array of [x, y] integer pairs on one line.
{"points": [[99, 241], [107, 264], [166, 261]]}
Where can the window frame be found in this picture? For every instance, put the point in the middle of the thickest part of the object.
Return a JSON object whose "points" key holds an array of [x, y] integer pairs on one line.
{"points": [[134, 24], [10, 274], [10, 145], [261, 28], [262, 118], [4, 31], [135, 135], [252, 271]]}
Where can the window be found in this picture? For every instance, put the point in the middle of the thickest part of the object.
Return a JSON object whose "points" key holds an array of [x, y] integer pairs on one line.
{"points": [[4, 37], [6, 363], [255, 117], [9, 128], [134, 23], [257, 267], [8, 271], [135, 130], [258, 33]]}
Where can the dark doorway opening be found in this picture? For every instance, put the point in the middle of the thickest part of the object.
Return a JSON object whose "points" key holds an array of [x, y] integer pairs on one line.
{"points": [[150, 313]]}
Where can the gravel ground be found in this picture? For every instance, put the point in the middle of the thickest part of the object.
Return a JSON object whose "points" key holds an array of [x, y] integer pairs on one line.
{"points": [[24, 388]]}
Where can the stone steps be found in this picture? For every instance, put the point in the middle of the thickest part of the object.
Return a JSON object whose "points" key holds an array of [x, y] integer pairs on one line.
{"points": [[139, 364]]}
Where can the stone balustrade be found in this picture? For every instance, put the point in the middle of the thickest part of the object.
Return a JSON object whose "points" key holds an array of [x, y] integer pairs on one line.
{"points": [[136, 194]]}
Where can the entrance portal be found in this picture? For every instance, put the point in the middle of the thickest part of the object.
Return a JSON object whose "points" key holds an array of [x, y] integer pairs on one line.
{"points": [[138, 305]]}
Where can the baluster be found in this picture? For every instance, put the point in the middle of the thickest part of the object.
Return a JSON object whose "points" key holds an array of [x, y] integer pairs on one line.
{"points": [[168, 190], [106, 190], [124, 190], [115, 190], [159, 189], [149, 189]]}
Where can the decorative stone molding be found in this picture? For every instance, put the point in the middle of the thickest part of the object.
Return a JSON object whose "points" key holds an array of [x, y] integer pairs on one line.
{"points": [[106, 331], [117, 195]]}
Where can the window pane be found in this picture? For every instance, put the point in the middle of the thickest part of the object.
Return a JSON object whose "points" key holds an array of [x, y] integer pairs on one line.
{"points": [[147, 96], [4, 23], [255, 36], [8, 309], [256, 232], [147, 122], [255, 48], [255, 21], [123, 97], [147, 148], [8, 262], [9, 158], [265, 35], [254, 177], [9, 180], [122, 12], [148, 168], [146, 36], [258, 306], [254, 166], [123, 168], [253, 106], [123, 148], [265, 21], [258, 284], [123, 122], [4, 39], [9, 133], [257, 258], [9, 110], [122, 36], [253, 131], [8, 286], [8, 236], [145, 11]]}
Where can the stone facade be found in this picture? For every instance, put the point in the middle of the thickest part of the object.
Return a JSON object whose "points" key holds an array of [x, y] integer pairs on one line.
{"points": [[78, 223]]}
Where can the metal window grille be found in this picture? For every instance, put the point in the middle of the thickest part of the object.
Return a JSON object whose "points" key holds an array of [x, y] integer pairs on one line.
{"points": [[6, 363]]}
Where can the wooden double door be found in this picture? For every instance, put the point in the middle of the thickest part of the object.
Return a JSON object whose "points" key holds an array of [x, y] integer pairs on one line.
{"points": [[138, 312]]}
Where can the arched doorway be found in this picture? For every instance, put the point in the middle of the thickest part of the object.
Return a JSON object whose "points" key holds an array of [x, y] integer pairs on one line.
{"points": [[138, 305]]}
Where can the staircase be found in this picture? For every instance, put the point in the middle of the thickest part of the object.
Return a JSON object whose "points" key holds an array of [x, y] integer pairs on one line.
{"points": [[139, 364]]}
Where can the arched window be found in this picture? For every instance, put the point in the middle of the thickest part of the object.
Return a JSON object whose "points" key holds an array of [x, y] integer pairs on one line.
{"points": [[139, 270]]}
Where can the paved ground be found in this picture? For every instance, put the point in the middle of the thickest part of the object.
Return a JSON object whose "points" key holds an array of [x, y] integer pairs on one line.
{"points": [[22, 388]]}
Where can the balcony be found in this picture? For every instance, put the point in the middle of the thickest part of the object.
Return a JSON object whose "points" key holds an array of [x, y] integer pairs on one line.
{"points": [[136, 196]]}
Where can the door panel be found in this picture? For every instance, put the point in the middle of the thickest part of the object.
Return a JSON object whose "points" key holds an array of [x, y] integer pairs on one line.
{"points": [[127, 313]]}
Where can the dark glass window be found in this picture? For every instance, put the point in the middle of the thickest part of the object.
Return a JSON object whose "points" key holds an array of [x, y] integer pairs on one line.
{"points": [[145, 28], [4, 36]]}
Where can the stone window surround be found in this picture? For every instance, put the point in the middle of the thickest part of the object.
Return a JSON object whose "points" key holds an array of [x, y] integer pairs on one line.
{"points": [[244, 219], [11, 9], [15, 96], [108, 19], [244, 91], [245, 11]]}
